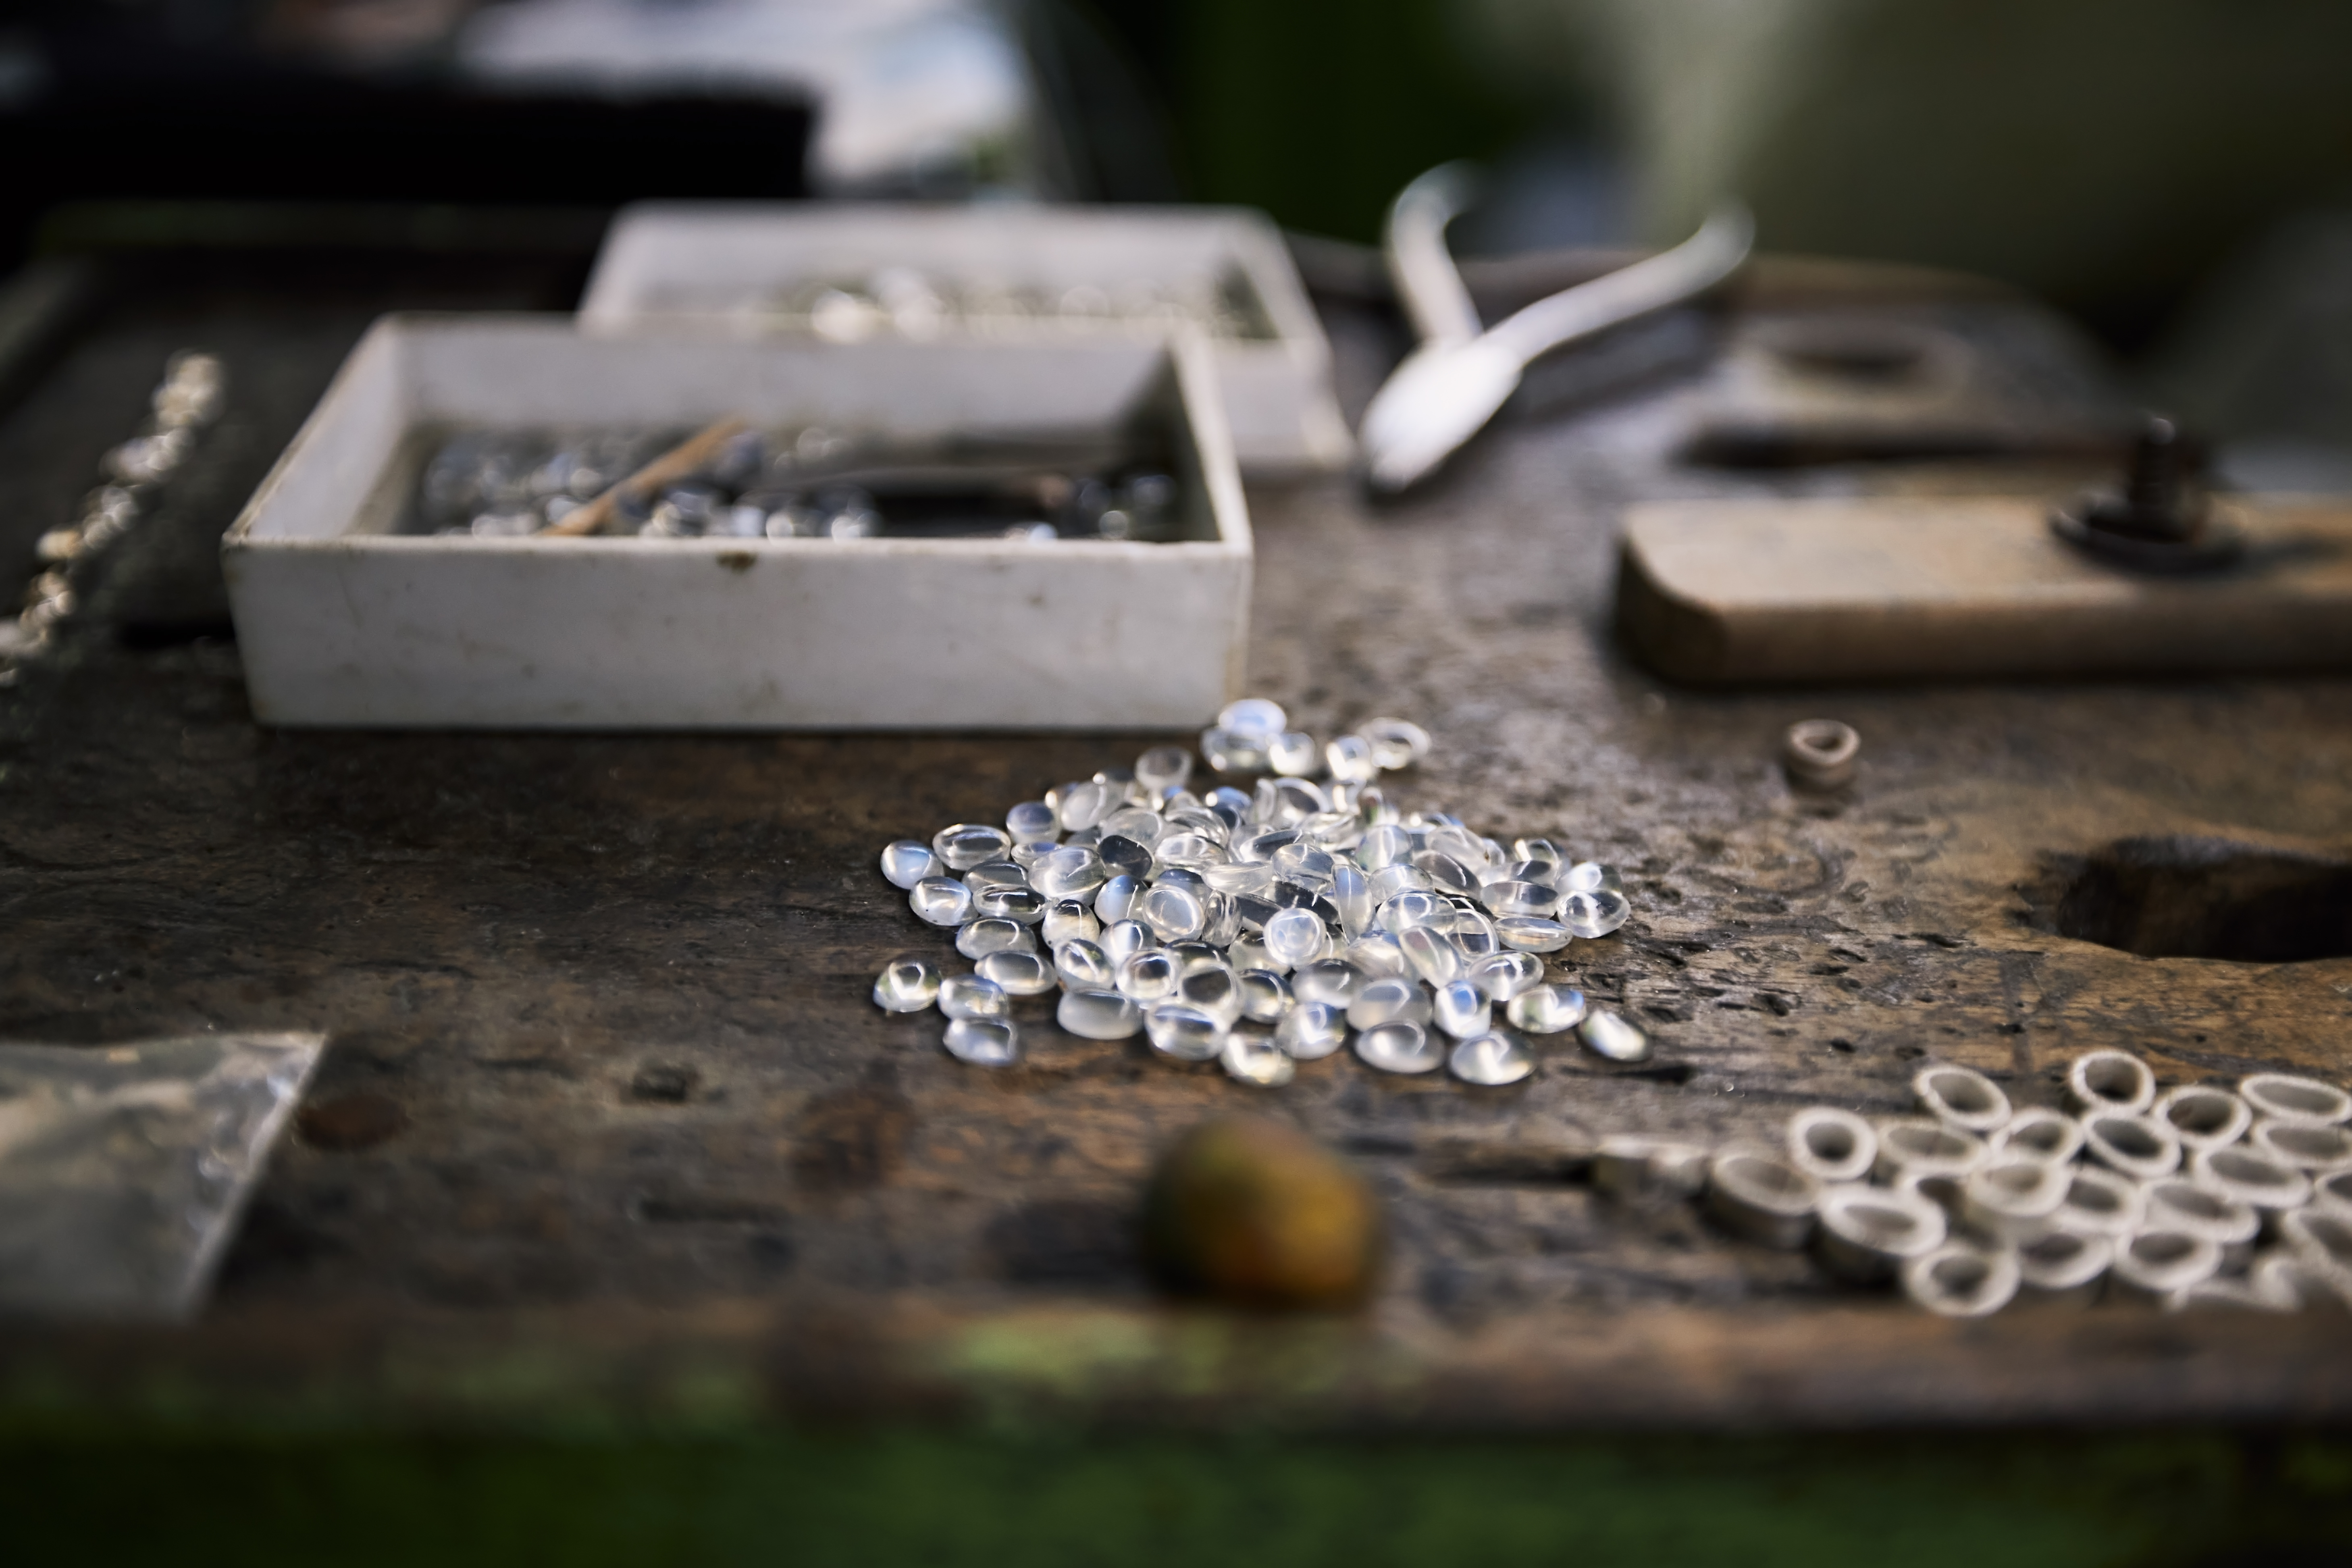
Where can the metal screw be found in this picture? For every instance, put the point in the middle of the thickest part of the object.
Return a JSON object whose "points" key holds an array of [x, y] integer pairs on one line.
{"points": [[2159, 520]]}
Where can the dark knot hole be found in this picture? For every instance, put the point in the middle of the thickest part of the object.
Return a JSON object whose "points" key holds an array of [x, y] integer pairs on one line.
{"points": [[2182, 897]]}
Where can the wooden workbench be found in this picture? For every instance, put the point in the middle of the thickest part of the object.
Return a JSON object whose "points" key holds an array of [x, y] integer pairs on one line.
{"points": [[610, 1138]]}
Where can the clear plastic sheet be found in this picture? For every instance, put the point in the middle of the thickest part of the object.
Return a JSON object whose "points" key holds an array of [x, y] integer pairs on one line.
{"points": [[124, 1168]]}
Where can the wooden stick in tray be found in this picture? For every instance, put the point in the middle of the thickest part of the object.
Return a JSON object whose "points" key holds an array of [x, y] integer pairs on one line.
{"points": [[678, 463]]}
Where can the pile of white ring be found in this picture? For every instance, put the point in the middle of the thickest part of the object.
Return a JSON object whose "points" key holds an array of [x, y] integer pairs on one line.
{"points": [[2198, 1197]]}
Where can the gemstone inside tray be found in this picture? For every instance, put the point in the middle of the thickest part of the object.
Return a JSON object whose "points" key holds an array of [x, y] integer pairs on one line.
{"points": [[1008, 273], [794, 482]]}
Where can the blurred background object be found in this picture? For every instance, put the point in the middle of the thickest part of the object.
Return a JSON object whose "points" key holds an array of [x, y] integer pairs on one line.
{"points": [[2106, 153], [2090, 149], [916, 95], [1320, 112], [2109, 159], [1252, 1213], [211, 102], [2261, 360], [123, 1171], [532, 102]]}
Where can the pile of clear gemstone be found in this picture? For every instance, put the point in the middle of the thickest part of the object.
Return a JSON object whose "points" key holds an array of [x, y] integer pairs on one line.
{"points": [[188, 399], [2197, 1196], [809, 483], [1258, 928]]}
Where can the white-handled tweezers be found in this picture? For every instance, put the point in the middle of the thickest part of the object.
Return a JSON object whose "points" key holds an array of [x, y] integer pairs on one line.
{"points": [[1463, 371]]}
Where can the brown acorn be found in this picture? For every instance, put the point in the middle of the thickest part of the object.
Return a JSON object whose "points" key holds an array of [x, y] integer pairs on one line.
{"points": [[1252, 1213]]}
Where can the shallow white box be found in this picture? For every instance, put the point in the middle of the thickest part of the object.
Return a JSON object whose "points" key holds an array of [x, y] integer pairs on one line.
{"points": [[702, 267], [341, 622]]}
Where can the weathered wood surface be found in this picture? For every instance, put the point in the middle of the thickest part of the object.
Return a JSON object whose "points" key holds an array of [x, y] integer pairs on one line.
{"points": [[608, 1123]]}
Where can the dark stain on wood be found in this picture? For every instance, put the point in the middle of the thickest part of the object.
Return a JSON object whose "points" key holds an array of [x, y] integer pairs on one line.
{"points": [[851, 1139], [663, 1083], [1067, 1241], [350, 1121]]}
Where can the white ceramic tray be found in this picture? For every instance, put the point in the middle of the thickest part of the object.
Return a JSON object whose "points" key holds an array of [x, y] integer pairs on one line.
{"points": [[342, 622], [719, 267]]}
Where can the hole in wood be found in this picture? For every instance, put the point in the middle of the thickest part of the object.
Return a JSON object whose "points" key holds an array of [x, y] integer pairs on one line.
{"points": [[2182, 897]]}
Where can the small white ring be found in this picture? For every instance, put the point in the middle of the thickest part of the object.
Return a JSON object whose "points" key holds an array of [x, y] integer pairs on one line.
{"points": [[2109, 1081], [2203, 1117], [1830, 1144], [2037, 1133], [2289, 1097], [1958, 1280], [2139, 1146], [1762, 1197], [1961, 1097]]}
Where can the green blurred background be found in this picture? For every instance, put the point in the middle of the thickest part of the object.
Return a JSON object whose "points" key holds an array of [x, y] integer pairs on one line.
{"points": [[1317, 111], [2109, 154]]}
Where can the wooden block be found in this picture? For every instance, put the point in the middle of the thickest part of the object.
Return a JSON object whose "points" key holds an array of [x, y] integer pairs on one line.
{"points": [[1749, 592]]}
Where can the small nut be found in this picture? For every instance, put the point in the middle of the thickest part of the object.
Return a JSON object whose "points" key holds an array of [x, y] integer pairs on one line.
{"points": [[1819, 753]]}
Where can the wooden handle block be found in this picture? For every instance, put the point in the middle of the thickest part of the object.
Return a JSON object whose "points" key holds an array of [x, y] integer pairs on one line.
{"points": [[1752, 592]]}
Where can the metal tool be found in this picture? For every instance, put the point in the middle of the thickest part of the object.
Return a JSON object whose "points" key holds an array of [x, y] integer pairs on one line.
{"points": [[1463, 373]]}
